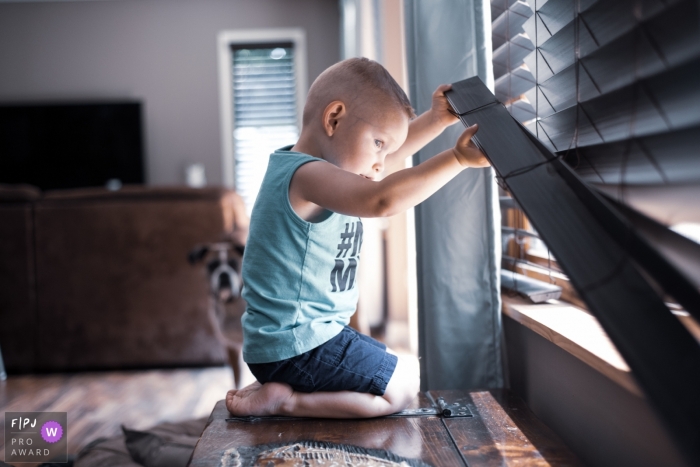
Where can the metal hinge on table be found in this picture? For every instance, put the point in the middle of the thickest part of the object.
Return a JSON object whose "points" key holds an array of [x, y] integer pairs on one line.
{"points": [[441, 409]]}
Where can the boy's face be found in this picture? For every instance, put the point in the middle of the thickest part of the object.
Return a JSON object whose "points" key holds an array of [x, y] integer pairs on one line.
{"points": [[362, 142]]}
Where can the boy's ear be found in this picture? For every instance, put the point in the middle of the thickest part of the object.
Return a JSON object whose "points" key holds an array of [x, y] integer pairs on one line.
{"points": [[334, 112]]}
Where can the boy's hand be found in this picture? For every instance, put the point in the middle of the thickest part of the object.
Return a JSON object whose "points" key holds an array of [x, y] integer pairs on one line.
{"points": [[466, 152], [441, 109]]}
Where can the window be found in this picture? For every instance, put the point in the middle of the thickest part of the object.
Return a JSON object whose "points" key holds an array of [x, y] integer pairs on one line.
{"points": [[609, 88], [523, 251], [264, 109], [263, 85], [526, 254], [609, 94]]}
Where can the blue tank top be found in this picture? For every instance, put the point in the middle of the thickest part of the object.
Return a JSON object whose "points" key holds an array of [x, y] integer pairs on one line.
{"points": [[300, 278]]}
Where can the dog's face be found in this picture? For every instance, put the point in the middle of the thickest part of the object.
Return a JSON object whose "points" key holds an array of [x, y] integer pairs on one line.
{"points": [[225, 280], [224, 269]]}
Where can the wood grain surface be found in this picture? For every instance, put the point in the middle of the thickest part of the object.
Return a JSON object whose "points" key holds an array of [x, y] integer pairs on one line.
{"points": [[503, 432], [423, 437]]}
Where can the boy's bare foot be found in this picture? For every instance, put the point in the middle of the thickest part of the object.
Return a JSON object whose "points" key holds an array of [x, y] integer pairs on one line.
{"points": [[260, 399]]}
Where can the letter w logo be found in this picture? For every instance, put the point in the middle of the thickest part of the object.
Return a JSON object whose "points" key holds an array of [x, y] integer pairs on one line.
{"points": [[343, 280], [52, 431]]}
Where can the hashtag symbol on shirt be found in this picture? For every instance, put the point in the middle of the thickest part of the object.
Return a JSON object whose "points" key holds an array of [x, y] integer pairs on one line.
{"points": [[346, 240]]}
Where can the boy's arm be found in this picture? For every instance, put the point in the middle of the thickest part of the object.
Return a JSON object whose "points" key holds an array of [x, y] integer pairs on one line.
{"points": [[340, 191], [426, 127]]}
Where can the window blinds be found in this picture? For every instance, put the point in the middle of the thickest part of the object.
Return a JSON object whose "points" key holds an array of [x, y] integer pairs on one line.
{"points": [[265, 111], [610, 264], [612, 88]]}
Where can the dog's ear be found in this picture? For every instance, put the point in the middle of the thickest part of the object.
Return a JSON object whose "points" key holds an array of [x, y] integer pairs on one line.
{"points": [[197, 254]]}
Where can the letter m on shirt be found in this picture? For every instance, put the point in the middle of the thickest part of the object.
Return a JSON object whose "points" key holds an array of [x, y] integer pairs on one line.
{"points": [[343, 278]]}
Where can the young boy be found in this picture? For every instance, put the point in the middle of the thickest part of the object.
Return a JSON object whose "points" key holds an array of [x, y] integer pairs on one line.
{"points": [[304, 246]]}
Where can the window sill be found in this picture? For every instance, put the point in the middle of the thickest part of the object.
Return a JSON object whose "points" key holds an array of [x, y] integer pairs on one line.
{"points": [[575, 331]]}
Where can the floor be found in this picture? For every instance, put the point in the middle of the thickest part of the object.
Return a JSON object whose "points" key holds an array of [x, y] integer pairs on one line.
{"points": [[98, 403]]}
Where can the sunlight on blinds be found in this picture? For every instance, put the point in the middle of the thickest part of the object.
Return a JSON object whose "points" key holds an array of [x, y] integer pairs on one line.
{"points": [[690, 230], [265, 112]]}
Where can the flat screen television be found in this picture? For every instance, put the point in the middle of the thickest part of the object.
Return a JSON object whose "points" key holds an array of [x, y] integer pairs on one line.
{"points": [[71, 145]]}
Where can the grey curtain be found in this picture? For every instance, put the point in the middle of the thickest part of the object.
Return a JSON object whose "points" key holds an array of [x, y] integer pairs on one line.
{"points": [[458, 228]]}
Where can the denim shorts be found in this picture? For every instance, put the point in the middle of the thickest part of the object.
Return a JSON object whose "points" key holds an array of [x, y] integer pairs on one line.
{"points": [[348, 362]]}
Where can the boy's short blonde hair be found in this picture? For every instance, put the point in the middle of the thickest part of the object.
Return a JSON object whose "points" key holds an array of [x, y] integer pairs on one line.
{"points": [[353, 79]]}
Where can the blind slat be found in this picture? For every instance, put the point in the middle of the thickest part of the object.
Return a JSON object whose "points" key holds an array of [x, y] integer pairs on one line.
{"points": [[666, 158], [662, 103]]}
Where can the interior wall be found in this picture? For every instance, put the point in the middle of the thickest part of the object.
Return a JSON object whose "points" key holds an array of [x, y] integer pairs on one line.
{"points": [[603, 423], [162, 52], [399, 234]]}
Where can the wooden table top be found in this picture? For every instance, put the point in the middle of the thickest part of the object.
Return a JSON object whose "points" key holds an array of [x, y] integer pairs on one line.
{"points": [[502, 432]]}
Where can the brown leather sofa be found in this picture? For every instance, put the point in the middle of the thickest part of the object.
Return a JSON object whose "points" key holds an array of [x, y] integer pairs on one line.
{"points": [[95, 279], [18, 320]]}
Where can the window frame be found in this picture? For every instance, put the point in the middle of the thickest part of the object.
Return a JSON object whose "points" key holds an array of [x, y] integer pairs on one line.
{"points": [[225, 41]]}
